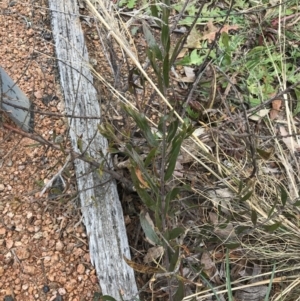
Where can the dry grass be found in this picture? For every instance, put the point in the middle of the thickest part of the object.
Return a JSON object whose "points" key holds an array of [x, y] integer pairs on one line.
{"points": [[244, 179]]}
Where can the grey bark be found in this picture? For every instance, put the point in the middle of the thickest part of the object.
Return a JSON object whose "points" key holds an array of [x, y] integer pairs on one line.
{"points": [[100, 205], [10, 93]]}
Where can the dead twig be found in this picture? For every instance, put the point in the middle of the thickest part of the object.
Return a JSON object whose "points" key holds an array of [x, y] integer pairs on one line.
{"points": [[74, 155]]}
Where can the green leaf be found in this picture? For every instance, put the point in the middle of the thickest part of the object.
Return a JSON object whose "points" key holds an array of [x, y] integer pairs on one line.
{"points": [[253, 217], [171, 195], [156, 69], [165, 39], [143, 125], [79, 144], [270, 284], [241, 186], [176, 50], [151, 42], [246, 196], [195, 58], [172, 130], [174, 233], [283, 195], [166, 70], [150, 157], [297, 203], [228, 280], [225, 40], [273, 208], [143, 194], [179, 295], [148, 230], [176, 144], [204, 278], [232, 246], [174, 259], [131, 4], [154, 12], [240, 229], [272, 228], [297, 109]]}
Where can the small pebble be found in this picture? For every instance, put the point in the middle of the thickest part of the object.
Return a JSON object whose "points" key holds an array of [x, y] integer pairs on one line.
{"points": [[8, 298], [62, 291], [46, 289]]}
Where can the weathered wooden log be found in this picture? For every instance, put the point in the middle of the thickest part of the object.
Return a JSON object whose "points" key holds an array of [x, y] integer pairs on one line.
{"points": [[100, 205], [10, 97]]}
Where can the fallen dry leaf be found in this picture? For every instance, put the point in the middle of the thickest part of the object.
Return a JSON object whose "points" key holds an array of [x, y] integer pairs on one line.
{"points": [[142, 268], [210, 34], [150, 222], [143, 183], [38, 94], [224, 232], [276, 104], [290, 142], [209, 267], [153, 253], [193, 40]]}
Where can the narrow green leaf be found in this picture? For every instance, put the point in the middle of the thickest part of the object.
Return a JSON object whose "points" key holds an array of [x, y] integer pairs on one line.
{"points": [[273, 208], [204, 278], [165, 39], [272, 228], [150, 157], [176, 50], [156, 69], [143, 194], [270, 284], [174, 233], [246, 196], [148, 230], [179, 295], [228, 280], [166, 71], [297, 203], [154, 12], [253, 217], [172, 130], [232, 246], [171, 195], [241, 185], [143, 125], [162, 121], [176, 144], [79, 144], [283, 196], [174, 259], [151, 42], [240, 229]]}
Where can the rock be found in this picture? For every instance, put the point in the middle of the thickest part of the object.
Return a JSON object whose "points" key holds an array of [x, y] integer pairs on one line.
{"points": [[22, 253], [62, 291], [46, 289], [59, 246], [2, 187], [80, 269]]}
